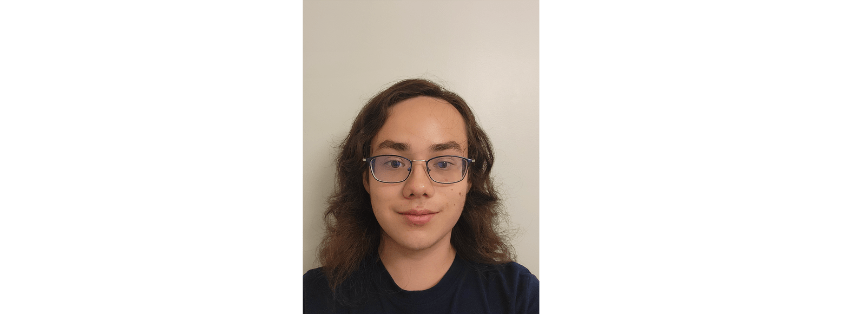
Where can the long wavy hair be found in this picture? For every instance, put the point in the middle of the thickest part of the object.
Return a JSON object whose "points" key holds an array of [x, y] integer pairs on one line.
{"points": [[352, 232]]}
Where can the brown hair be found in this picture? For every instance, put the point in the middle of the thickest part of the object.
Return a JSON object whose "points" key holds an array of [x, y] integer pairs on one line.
{"points": [[352, 232]]}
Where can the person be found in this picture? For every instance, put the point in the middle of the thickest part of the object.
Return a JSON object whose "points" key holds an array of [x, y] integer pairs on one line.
{"points": [[412, 226]]}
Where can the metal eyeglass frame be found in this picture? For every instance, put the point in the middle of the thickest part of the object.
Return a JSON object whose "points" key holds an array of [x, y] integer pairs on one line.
{"points": [[410, 170]]}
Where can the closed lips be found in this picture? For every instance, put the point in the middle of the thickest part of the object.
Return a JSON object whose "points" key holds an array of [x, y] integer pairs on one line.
{"points": [[418, 217], [418, 212]]}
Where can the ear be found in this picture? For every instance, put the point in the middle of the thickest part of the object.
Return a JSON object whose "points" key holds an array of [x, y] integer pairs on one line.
{"points": [[366, 181]]}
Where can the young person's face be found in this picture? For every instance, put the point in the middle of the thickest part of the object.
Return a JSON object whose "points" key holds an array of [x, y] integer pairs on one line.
{"points": [[418, 129]]}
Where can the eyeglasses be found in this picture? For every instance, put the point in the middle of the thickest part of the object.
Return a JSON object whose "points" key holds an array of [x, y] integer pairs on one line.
{"points": [[445, 169]]}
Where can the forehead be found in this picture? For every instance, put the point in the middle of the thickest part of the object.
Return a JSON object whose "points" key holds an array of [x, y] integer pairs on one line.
{"points": [[422, 122]]}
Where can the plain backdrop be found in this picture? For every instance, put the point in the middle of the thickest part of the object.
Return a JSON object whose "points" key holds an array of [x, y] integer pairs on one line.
{"points": [[486, 51]]}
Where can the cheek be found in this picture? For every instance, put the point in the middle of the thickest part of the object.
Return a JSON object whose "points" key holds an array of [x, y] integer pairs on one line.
{"points": [[457, 196], [382, 197]]}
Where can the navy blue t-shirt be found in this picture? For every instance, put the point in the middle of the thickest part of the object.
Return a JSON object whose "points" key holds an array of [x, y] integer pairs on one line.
{"points": [[465, 288]]}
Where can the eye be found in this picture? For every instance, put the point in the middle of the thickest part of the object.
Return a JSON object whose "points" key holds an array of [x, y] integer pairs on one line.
{"points": [[442, 164], [394, 164]]}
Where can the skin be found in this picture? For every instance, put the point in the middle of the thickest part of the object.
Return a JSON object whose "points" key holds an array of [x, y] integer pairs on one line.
{"points": [[417, 256]]}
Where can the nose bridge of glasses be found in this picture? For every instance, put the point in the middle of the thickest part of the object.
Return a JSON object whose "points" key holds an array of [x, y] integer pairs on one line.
{"points": [[425, 163]]}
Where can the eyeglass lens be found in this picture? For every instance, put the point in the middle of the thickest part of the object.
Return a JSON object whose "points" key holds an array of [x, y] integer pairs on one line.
{"points": [[441, 169]]}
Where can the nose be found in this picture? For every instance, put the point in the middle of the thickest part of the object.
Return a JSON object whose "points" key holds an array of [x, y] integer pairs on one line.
{"points": [[418, 183]]}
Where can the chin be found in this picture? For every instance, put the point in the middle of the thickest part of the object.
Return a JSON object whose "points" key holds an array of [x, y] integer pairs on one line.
{"points": [[418, 244], [410, 240], [415, 239], [421, 241]]}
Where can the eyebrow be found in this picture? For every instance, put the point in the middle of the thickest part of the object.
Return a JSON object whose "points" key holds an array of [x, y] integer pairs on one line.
{"points": [[390, 144], [401, 146], [446, 146]]}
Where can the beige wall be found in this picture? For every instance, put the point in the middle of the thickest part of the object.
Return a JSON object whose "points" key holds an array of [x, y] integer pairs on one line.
{"points": [[486, 51]]}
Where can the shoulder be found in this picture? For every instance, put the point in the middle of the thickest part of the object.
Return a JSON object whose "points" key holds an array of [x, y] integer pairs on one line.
{"points": [[512, 282], [524, 286], [314, 280], [521, 275], [527, 284], [511, 272], [315, 291], [314, 275]]}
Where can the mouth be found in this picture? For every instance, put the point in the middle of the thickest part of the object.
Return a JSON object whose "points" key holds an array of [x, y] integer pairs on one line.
{"points": [[418, 217], [418, 212]]}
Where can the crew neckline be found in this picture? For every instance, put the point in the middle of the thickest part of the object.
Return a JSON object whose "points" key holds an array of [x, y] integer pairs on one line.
{"points": [[427, 296]]}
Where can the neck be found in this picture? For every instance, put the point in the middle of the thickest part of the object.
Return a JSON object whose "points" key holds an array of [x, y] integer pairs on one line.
{"points": [[416, 269]]}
